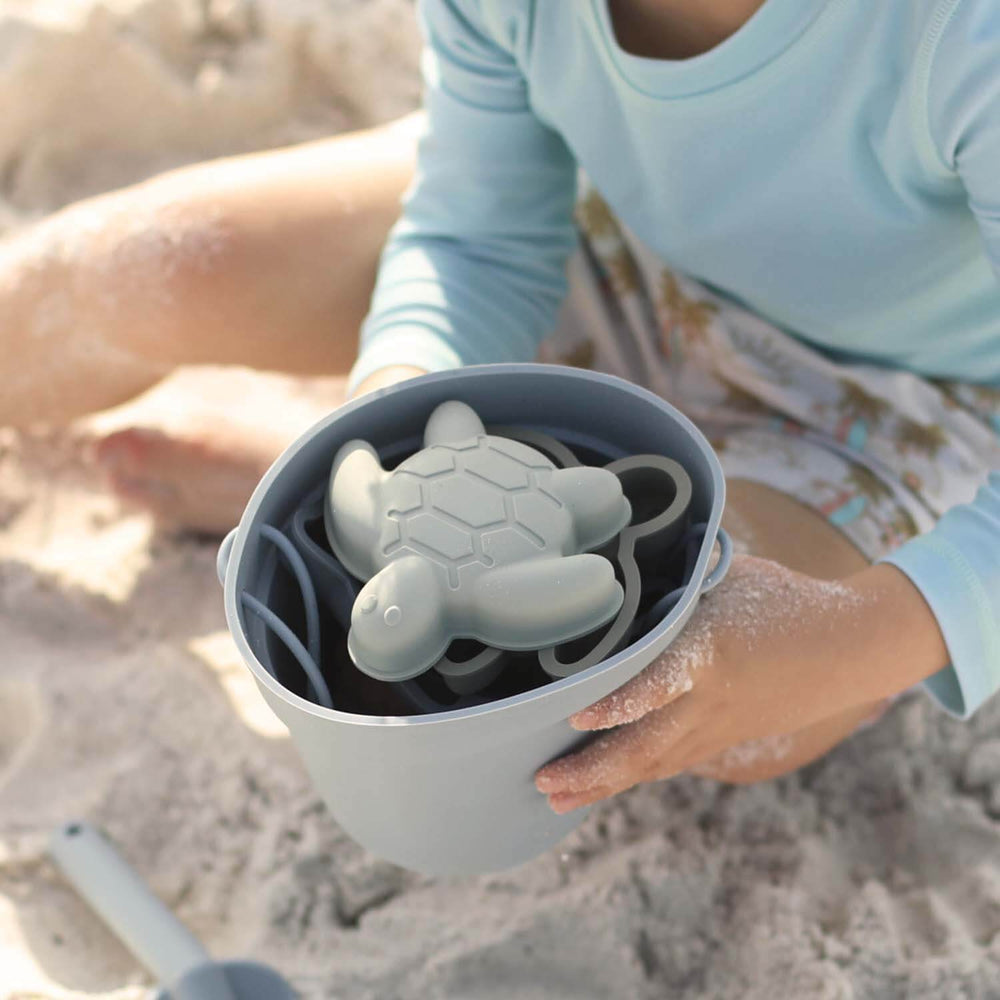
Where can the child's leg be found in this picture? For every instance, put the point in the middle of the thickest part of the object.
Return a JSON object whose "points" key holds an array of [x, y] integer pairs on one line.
{"points": [[265, 260], [192, 450]]}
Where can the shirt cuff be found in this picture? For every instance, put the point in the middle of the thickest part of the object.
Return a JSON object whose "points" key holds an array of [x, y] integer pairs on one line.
{"points": [[964, 613], [412, 346]]}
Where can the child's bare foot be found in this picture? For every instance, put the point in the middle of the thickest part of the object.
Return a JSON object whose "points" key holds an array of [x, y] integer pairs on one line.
{"points": [[199, 482], [192, 449]]}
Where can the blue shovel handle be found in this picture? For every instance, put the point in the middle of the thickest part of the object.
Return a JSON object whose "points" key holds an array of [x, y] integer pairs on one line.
{"points": [[126, 904]]}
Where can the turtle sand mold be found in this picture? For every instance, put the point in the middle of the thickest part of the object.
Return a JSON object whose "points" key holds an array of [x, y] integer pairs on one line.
{"points": [[475, 536]]}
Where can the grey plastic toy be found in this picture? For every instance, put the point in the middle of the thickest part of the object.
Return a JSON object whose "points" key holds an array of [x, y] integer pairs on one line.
{"points": [[475, 536], [152, 933]]}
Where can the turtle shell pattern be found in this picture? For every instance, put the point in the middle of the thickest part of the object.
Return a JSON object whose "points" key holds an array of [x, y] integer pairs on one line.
{"points": [[472, 505]]}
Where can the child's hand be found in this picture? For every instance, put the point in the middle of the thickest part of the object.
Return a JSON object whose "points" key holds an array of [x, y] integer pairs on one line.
{"points": [[767, 653]]}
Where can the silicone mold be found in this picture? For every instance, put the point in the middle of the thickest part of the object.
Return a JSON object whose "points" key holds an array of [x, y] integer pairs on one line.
{"points": [[475, 536]]}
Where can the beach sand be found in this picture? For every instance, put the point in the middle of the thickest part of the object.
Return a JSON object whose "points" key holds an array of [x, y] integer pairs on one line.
{"points": [[874, 873]]}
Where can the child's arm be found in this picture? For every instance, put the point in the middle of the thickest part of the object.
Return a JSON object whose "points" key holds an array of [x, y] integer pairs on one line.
{"points": [[475, 269], [771, 652], [956, 566]]}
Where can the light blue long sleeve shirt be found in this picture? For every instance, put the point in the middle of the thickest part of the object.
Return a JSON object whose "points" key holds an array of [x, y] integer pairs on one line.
{"points": [[834, 166]]}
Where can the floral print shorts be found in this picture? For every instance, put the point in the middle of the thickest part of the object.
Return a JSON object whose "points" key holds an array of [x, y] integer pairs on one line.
{"points": [[879, 453]]}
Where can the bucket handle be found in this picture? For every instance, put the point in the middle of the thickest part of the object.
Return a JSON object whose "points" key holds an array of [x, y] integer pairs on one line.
{"points": [[222, 559], [722, 566]]}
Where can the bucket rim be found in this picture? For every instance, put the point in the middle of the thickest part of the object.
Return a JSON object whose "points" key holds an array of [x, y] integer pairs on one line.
{"points": [[547, 692]]}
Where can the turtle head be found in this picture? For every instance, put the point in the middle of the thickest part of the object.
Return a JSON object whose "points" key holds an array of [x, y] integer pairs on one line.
{"points": [[451, 423], [398, 625]]}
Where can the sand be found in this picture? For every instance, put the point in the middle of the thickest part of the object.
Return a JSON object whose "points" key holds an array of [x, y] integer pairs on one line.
{"points": [[874, 873]]}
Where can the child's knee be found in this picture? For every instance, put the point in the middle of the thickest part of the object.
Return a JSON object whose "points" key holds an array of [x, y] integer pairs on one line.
{"points": [[146, 265], [170, 248]]}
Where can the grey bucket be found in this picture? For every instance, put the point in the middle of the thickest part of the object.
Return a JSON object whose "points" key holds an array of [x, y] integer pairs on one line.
{"points": [[452, 792]]}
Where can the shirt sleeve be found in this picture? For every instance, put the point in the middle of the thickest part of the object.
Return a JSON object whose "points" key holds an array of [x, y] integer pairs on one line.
{"points": [[475, 269], [956, 565], [964, 110]]}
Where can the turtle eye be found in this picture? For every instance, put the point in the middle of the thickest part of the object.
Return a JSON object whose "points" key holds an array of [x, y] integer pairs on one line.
{"points": [[369, 604], [393, 616]]}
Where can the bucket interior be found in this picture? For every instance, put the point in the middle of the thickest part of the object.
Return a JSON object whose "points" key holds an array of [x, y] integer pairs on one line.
{"points": [[597, 424]]}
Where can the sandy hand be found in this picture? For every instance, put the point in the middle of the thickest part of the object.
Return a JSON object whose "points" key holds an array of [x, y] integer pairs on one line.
{"points": [[757, 660]]}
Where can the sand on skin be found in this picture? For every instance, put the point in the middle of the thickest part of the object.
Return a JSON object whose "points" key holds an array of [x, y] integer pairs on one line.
{"points": [[876, 872]]}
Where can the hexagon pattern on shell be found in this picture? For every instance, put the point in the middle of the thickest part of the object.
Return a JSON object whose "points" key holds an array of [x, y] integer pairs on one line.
{"points": [[475, 536]]}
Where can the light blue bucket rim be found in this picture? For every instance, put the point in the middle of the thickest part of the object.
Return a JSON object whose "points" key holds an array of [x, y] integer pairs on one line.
{"points": [[701, 581]]}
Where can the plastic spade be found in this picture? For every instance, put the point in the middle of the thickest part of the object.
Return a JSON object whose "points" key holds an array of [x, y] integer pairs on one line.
{"points": [[150, 931]]}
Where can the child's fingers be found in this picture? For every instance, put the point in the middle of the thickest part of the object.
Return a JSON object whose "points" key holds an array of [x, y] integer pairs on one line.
{"points": [[597, 764], [617, 760], [565, 802], [662, 682]]}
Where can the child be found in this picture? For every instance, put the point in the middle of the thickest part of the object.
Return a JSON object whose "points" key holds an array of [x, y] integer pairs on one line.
{"points": [[799, 209]]}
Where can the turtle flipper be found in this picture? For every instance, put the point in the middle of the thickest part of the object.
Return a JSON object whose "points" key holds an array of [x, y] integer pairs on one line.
{"points": [[352, 507], [452, 422], [594, 496], [399, 627], [543, 602]]}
